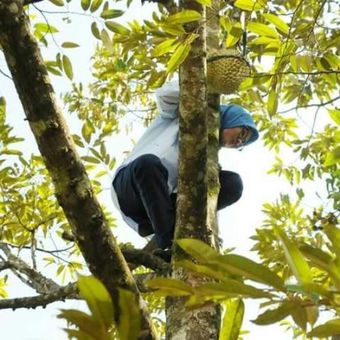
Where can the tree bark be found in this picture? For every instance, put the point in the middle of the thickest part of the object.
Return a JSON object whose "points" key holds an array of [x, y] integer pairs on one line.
{"points": [[72, 185], [197, 184]]}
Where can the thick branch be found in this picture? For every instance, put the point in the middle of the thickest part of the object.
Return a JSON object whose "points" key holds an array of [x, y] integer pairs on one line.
{"points": [[73, 189], [37, 281], [68, 292]]}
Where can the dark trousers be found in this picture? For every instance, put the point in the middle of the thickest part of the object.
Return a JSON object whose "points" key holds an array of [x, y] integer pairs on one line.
{"points": [[143, 195]]}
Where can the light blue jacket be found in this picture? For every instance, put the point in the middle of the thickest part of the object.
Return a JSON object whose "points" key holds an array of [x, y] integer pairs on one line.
{"points": [[161, 137]]}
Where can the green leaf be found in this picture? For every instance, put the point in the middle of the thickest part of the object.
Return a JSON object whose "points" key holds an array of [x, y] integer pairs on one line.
{"points": [[262, 29], [90, 159], [230, 264], [57, 2], [85, 4], [249, 5], [166, 46], [335, 115], [95, 5], [329, 328], [67, 67], [274, 315], [69, 44], [273, 102], [332, 157], [197, 249], [117, 28], [95, 30], [170, 286], [332, 232], [97, 298], [299, 316], [111, 13], [317, 256], [230, 288], [278, 22], [183, 17], [83, 321], [176, 30], [295, 259], [232, 321], [178, 57], [130, 320]]}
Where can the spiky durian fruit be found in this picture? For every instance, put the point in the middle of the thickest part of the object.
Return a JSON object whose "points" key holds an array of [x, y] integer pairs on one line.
{"points": [[226, 70]]}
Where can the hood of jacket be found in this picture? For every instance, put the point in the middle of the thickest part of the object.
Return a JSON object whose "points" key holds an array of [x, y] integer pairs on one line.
{"points": [[233, 115]]}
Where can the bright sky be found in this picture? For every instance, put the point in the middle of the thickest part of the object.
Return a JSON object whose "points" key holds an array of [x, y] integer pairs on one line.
{"points": [[237, 223]]}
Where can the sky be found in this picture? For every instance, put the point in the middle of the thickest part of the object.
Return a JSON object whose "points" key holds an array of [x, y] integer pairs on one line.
{"points": [[237, 223]]}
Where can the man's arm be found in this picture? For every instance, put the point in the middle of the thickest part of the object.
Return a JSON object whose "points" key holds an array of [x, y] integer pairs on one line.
{"points": [[167, 98]]}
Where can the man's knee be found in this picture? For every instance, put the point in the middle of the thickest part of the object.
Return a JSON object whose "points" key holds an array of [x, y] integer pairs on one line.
{"points": [[146, 163], [231, 188]]}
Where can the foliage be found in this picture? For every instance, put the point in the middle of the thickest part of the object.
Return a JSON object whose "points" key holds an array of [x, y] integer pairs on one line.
{"points": [[293, 48], [312, 284], [99, 323]]}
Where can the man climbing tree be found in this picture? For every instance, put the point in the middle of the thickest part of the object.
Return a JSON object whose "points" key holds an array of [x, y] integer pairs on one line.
{"points": [[145, 185]]}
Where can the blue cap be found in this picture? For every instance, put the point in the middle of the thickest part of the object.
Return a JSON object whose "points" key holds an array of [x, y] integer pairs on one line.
{"points": [[233, 115]]}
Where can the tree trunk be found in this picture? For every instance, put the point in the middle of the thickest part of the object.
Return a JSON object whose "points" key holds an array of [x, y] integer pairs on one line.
{"points": [[73, 188], [197, 184]]}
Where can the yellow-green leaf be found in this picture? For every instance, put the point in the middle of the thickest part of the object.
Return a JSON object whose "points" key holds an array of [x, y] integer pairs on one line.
{"points": [[85, 4], [335, 115], [272, 102], [117, 28], [232, 320], [332, 158], [83, 321], [262, 29], [67, 67], [249, 5], [90, 159], [166, 46], [69, 44], [57, 2], [95, 5], [178, 57], [95, 30], [183, 17], [274, 315], [295, 259], [278, 22], [111, 13], [329, 328], [97, 298], [175, 30], [170, 286], [197, 249], [230, 288], [129, 321]]}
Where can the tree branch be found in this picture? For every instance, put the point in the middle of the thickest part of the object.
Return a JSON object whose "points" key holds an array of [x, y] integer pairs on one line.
{"points": [[67, 292], [312, 105], [36, 280], [263, 74]]}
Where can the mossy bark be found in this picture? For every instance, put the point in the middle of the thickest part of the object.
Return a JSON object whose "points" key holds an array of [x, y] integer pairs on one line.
{"points": [[72, 185], [197, 184]]}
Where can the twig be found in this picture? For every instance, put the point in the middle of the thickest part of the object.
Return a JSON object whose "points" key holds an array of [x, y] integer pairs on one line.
{"points": [[6, 75], [263, 74], [311, 105]]}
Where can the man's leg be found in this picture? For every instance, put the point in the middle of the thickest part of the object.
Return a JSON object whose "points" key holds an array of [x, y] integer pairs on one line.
{"points": [[143, 195]]}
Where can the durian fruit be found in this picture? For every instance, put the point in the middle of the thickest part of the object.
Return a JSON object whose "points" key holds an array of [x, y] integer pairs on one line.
{"points": [[226, 70]]}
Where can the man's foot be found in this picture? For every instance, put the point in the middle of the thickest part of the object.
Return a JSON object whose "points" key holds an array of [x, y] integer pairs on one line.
{"points": [[164, 254]]}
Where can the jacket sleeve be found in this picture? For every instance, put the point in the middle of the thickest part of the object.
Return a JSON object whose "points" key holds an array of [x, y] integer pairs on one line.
{"points": [[167, 98]]}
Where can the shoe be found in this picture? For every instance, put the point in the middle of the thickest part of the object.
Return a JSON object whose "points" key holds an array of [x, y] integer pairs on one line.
{"points": [[164, 254]]}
